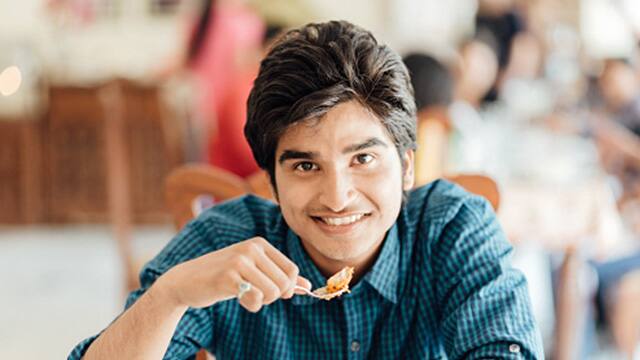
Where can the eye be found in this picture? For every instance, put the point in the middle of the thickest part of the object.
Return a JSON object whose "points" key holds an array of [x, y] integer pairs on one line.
{"points": [[305, 166], [363, 158]]}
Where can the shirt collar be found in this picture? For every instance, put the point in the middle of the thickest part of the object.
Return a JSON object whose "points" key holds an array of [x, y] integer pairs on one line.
{"points": [[306, 266], [383, 276]]}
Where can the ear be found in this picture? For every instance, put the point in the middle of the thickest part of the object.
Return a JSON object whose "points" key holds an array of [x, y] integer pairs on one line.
{"points": [[408, 179]]}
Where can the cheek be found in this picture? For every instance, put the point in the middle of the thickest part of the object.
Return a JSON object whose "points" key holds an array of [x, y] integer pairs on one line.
{"points": [[386, 180], [293, 195]]}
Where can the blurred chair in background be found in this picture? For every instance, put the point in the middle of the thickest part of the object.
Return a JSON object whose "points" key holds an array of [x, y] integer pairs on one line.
{"points": [[480, 185], [192, 188]]}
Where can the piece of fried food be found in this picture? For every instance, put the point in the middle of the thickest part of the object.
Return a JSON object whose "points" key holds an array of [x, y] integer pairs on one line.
{"points": [[340, 280]]}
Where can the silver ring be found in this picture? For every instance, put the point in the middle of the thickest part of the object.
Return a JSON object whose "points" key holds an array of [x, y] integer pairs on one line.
{"points": [[243, 288]]}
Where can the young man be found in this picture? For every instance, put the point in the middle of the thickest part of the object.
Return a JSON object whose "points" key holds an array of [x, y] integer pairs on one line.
{"points": [[331, 118]]}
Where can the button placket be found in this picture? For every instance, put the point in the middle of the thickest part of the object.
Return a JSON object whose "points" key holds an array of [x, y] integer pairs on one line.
{"points": [[354, 341]]}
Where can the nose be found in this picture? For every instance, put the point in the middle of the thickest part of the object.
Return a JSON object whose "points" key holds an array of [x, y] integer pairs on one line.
{"points": [[337, 191]]}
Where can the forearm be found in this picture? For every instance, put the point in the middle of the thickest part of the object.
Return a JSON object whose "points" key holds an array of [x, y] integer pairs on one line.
{"points": [[142, 332]]}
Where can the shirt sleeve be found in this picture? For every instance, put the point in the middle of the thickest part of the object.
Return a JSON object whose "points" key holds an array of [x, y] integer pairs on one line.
{"points": [[195, 329], [484, 301]]}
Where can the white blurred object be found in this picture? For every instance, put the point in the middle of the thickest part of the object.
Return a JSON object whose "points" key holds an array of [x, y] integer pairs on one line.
{"points": [[430, 25], [606, 32], [532, 260], [527, 99], [631, 10]]}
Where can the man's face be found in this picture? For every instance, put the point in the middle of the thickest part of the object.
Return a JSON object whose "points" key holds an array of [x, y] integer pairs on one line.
{"points": [[339, 182]]}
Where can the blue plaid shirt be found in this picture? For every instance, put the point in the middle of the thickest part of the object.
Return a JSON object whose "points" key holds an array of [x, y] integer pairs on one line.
{"points": [[442, 287]]}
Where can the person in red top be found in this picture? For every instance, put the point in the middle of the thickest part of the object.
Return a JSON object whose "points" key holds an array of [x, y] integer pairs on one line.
{"points": [[220, 53], [228, 147]]}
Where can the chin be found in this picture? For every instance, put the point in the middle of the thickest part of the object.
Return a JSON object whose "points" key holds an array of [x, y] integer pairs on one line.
{"points": [[343, 254]]}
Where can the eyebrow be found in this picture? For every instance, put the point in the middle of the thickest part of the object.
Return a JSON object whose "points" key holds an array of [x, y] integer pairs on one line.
{"points": [[310, 155], [370, 142], [294, 154]]}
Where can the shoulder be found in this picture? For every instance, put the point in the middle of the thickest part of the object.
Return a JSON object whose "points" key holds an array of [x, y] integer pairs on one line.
{"points": [[239, 219], [442, 212], [440, 202], [222, 225]]}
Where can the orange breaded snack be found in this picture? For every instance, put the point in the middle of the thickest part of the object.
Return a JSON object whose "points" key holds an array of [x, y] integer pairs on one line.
{"points": [[340, 280]]}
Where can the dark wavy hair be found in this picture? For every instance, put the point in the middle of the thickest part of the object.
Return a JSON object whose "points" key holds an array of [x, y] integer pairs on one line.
{"points": [[318, 66]]}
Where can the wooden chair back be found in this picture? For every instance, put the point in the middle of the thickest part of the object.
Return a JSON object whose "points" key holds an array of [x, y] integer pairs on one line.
{"points": [[186, 185], [480, 185]]}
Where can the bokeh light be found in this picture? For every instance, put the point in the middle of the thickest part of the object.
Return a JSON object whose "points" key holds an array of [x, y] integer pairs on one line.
{"points": [[10, 80]]}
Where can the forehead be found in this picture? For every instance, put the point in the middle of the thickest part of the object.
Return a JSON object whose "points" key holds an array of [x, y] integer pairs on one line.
{"points": [[344, 124]]}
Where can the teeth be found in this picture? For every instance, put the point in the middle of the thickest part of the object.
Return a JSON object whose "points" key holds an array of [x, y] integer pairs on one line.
{"points": [[342, 220]]}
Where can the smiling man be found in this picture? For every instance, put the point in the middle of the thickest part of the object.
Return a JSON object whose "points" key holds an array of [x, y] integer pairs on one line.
{"points": [[331, 118]]}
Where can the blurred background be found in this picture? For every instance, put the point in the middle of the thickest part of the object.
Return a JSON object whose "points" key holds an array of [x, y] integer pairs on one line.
{"points": [[104, 102]]}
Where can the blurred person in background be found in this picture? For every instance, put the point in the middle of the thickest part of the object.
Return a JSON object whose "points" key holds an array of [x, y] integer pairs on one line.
{"points": [[433, 90], [619, 132], [620, 91], [432, 81], [475, 73], [224, 39], [523, 89], [228, 149], [498, 22]]}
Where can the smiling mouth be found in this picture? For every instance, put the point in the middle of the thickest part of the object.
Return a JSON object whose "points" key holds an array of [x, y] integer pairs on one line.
{"points": [[340, 221]]}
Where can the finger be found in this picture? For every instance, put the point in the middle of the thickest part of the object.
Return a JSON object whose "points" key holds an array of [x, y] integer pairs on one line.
{"points": [[300, 281], [304, 282], [289, 293], [252, 300], [283, 262], [273, 272], [259, 280]]}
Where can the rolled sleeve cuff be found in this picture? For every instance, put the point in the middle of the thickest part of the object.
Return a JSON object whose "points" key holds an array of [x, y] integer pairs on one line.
{"points": [[78, 352]]}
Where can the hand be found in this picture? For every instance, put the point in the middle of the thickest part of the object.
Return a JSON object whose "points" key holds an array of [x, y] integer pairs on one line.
{"points": [[217, 276]]}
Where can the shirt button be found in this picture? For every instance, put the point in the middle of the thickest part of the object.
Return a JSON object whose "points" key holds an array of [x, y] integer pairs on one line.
{"points": [[514, 348], [355, 346]]}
